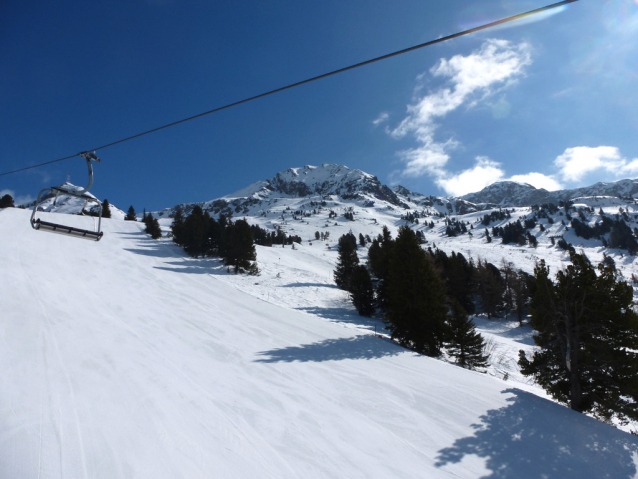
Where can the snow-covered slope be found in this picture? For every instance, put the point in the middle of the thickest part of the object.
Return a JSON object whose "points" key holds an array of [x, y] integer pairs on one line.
{"points": [[124, 358]]}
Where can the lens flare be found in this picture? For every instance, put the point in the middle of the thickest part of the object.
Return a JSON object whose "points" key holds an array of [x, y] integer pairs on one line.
{"points": [[537, 17], [610, 48], [620, 16]]}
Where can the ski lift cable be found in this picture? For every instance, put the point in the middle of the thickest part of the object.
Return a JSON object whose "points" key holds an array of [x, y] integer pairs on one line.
{"points": [[319, 77]]}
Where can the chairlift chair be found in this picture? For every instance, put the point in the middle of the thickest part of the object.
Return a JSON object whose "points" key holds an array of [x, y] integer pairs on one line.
{"points": [[37, 223]]}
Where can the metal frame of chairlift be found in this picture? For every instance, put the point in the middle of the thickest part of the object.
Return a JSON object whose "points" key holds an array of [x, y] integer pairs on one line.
{"points": [[38, 224]]}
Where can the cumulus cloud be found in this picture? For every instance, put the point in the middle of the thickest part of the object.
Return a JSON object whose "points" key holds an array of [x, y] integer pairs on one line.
{"points": [[483, 173], [538, 180], [576, 163], [7, 192], [468, 80]]}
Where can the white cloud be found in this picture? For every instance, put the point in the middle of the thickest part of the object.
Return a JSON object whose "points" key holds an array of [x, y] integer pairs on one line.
{"points": [[383, 117], [469, 80], [23, 199], [575, 163], [484, 173], [538, 180], [430, 158], [7, 192]]}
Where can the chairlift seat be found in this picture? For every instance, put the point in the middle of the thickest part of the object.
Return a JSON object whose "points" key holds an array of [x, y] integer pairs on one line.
{"points": [[69, 230]]}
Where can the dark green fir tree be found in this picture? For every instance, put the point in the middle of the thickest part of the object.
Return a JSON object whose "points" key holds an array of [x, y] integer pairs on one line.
{"points": [[587, 333], [6, 201], [240, 249], [130, 215], [106, 209], [195, 233], [416, 313], [177, 228], [348, 259], [463, 342], [153, 227], [362, 291]]}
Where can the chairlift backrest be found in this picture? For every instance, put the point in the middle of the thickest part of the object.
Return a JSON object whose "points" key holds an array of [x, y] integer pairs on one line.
{"points": [[37, 223]]}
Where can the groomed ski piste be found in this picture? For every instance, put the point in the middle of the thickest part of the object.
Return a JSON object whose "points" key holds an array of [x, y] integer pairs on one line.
{"points": [[125, 358]]}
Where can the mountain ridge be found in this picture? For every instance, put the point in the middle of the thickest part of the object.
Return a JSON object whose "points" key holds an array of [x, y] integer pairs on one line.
{"points": [[331, 180]]}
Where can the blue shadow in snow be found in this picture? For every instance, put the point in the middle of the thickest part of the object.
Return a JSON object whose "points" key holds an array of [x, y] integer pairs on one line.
{"points": [[359, 347], [159, 251], [345, 315], [533, 438], [306, 285]]}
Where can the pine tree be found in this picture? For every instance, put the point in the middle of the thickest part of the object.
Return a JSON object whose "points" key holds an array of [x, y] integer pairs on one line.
{"points": [[490, 287], [177, 227], [361, 291], [106, 209], [379, 261], [240, 249], [130, 215], [416, 312], [587, 332], [348, 259], [195, 233], [459, 273], [6, 202], [463, 342], [153, 227], [521, 289]]}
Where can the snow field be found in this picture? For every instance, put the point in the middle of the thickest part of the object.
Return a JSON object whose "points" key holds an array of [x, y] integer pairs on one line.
{"points": [[125, 358]]}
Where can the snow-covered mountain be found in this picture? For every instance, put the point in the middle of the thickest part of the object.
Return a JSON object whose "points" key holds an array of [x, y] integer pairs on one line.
{"points": [[316, 182], [329, 182], [443, 204], [510, 193]]}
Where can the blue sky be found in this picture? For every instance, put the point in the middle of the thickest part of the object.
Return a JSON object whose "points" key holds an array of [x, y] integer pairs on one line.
{"points": [[553, 102]]}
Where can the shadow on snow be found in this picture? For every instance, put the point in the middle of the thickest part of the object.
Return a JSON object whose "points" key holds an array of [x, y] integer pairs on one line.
{"points": [[533, 438], [306, 285], [359, 347], [345, 315]]}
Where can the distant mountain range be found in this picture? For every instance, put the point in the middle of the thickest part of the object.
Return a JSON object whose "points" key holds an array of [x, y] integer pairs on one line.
{"points": [[329, 180], [509, 193]]}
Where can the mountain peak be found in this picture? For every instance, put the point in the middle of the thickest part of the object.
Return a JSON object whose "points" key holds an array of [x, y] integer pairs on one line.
{"points": [[323, 180]]}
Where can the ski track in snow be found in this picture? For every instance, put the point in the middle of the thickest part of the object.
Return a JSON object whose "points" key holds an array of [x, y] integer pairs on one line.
{"points": [[125, 358]]}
